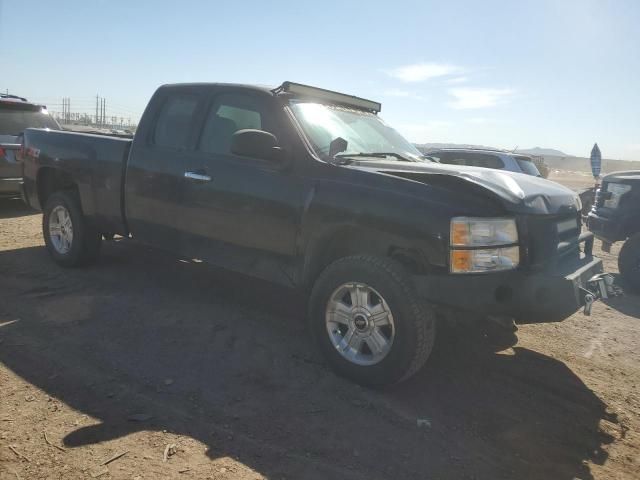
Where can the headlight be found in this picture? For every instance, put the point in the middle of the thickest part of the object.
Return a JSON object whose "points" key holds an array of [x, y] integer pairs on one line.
{"points": [[483, 232], [467, 234], [614, 192]]}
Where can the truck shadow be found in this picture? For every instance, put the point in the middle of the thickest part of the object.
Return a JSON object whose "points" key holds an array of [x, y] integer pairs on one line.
{"points": [[629, 304], [12, 207], [246, 382]]}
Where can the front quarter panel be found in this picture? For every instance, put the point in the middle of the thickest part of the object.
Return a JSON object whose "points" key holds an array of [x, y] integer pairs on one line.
{"points": [[386, 213]]}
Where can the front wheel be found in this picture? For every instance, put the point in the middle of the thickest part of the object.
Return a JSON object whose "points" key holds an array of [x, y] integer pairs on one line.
{"points": [[369, 322], [629, 262], [70, 239]]}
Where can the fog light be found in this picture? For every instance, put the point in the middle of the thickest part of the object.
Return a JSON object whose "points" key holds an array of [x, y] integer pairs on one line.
{"points": [[485, 259]]}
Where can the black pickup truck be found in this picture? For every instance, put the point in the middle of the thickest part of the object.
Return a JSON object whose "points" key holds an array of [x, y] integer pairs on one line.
{"points": [[311, 189]]}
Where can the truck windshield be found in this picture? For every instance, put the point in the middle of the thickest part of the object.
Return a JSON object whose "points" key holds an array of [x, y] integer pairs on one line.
{"points": [[14, 120], [363, 131]]}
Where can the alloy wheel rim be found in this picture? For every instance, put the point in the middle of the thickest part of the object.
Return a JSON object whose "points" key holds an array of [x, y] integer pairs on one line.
{"points": [[61, 229], [359, 323]]}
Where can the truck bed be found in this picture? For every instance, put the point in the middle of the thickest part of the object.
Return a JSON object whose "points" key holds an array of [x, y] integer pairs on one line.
{"points": [[97, 164]]}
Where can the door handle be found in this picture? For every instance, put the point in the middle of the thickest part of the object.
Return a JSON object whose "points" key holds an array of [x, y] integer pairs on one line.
{"points": [[197, 176]]}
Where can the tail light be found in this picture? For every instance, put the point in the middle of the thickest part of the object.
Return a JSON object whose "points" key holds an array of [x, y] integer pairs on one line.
{"points": [[20, 153]]}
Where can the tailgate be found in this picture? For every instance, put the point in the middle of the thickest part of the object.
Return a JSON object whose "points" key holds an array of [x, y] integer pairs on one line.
{"points": [[9, 164]]}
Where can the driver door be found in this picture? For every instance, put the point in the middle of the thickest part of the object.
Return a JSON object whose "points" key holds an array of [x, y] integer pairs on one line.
{"points": [[243, 213]]}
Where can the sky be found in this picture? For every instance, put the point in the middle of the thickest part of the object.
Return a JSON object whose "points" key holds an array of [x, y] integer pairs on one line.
{"points": [[557, 74]]}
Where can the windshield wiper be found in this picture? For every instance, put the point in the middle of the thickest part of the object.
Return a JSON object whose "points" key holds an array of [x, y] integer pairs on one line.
{"points": [[400, 157]]}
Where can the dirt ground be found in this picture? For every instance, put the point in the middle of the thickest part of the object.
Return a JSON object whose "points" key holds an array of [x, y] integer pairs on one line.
{"points": [[193, 374], [574, 180]]}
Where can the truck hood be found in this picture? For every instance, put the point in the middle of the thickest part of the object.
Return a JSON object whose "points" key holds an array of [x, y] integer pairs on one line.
{"points": [[519, 193]]}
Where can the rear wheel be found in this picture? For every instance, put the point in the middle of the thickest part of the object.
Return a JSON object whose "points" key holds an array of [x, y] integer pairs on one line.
{"points": [[629, 262], [70, 239], [369, 322]]}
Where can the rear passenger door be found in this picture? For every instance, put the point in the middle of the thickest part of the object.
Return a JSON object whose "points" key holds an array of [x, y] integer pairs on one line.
{"points": [[155, 184], [241, 213]]}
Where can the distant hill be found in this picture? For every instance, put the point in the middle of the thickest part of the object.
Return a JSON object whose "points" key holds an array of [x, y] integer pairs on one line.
{"points": [[551, 152]]}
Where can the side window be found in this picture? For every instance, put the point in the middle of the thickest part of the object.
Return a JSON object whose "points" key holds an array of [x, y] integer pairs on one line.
{"points": [[174, 121], [487, 161], [229, 113], [462, 159], [451, 159], [474, 160]]}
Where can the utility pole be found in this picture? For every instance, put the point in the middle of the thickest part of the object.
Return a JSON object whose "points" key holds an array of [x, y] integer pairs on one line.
{"points": [[97, 99], [67, 109]]}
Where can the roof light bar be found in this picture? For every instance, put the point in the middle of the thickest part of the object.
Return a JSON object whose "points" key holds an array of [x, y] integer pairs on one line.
{"points": [[330, 96]]}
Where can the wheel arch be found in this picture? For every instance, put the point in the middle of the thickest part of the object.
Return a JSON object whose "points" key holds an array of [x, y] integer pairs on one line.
{"points": [[50, 180], [347, 240]]}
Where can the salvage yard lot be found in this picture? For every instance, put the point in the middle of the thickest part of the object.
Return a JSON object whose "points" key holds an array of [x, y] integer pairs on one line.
{"points": [[143, 351]]}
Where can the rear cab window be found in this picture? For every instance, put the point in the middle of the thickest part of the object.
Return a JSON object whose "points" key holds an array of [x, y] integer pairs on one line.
{"points": [[174, 122]]}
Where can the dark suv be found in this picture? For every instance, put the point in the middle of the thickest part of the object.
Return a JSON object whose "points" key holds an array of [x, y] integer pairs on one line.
{"points": [[615, 217], [16, 114]]}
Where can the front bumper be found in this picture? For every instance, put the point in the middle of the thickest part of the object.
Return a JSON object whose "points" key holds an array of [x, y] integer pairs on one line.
{"points": [[528, 296], [10, 186]]}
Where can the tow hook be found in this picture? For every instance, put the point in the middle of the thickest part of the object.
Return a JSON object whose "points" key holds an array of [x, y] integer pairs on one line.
{"points": [[598, 287], [588, 303]]}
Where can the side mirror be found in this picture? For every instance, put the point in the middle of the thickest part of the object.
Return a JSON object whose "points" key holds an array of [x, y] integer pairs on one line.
{"points": [[338, 145], [256, 144]]}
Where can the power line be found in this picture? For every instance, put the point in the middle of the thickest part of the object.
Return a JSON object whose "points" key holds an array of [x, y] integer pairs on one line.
{"points": [[114, 118]]}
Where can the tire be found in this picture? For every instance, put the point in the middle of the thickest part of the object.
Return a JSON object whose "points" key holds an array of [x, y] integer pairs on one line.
{"points": [[629, 262], [401, 339], [62, 214]]}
